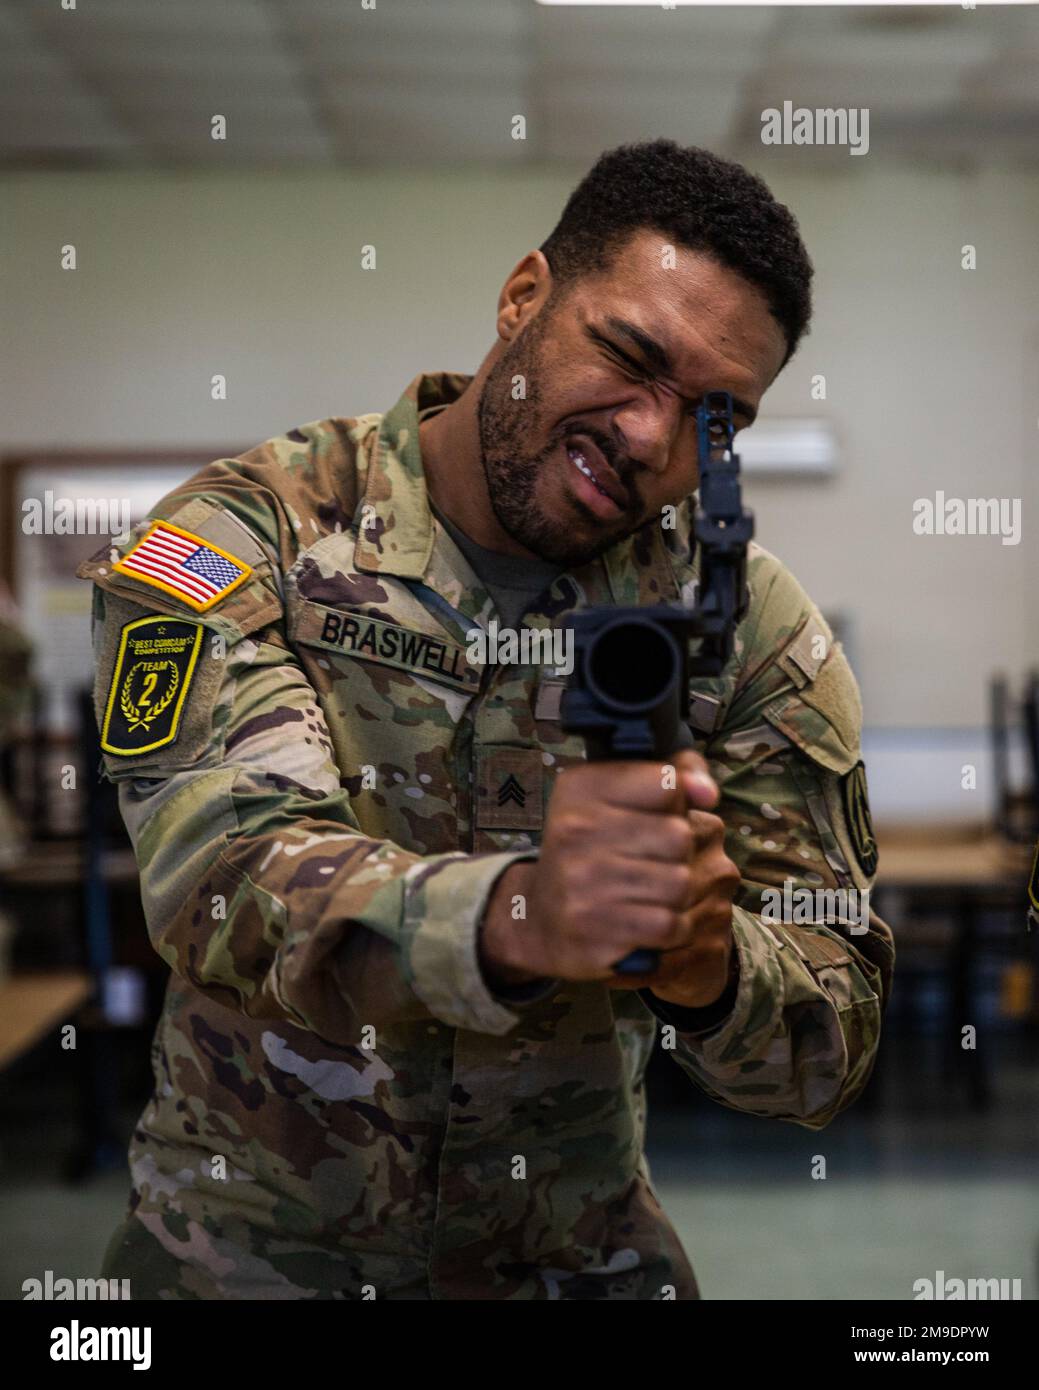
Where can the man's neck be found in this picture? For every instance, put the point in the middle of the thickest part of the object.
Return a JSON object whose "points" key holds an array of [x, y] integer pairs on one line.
{"points": [[449, 443]]}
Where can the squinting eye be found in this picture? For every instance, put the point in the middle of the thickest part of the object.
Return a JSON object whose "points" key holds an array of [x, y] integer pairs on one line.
{"points": [[631, 370], [626, 366]]}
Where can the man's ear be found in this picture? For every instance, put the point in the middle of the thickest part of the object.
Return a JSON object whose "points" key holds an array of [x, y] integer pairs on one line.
{"points": [[523, 294]]}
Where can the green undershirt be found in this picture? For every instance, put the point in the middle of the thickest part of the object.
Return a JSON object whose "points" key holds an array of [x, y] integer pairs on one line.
{"points": [[513, 581]]}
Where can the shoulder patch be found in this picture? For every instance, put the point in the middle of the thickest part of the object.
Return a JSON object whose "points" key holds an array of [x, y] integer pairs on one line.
{"points": [[153, 670], [860, 824], [193, 570]]}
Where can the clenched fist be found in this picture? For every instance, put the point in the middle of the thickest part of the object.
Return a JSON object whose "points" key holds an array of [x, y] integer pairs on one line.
{"points": [[626, 862]]}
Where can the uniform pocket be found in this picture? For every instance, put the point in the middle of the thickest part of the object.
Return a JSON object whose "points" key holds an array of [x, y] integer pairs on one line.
{"points": [[824, 717], [831, 964], [823, 720]]}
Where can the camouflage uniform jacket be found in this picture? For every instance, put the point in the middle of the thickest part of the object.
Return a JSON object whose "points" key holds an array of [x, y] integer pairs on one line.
{"points": [[342, 1107]]}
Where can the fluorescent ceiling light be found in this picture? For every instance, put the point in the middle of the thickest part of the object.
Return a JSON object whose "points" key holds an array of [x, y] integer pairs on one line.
{"points": [[701, 4], [802, 447]]}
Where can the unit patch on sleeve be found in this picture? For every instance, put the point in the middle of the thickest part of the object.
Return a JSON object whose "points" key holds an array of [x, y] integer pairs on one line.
{"points": [[860, 823], [153, 670], [197, 572]]}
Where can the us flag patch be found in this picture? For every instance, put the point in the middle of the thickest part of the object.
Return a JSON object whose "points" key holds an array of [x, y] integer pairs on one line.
{"points": [[197, 572]]}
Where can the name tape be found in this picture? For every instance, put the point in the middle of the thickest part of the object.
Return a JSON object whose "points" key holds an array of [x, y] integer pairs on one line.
{"points": [[405, 649]]}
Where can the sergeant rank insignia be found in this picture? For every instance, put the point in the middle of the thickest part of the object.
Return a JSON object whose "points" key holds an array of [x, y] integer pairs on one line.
{"points": [[860, 824], [152, 676], [191, 569]]}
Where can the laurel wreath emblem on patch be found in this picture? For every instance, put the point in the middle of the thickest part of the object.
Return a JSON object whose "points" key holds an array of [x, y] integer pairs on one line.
{"points": [[132, 710], [151, 677]]}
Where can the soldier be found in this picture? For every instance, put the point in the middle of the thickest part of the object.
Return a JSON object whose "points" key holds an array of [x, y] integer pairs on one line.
{"points": [[395, 1060]]}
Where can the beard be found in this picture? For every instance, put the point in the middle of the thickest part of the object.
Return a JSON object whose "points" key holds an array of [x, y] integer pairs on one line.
{"points": [[513, 473]]}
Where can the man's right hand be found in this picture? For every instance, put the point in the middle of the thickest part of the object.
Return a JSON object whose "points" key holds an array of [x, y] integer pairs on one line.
{"points": [[614, 874]]}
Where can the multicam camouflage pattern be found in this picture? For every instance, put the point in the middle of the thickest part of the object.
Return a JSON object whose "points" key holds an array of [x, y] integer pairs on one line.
{"points": [[342, 1108]]}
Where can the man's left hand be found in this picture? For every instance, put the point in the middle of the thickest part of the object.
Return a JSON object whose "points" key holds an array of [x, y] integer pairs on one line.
{"points": [[696, 974]]}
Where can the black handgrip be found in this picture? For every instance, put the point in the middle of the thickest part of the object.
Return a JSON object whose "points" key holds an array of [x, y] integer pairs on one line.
{"points": [[639, 962]]}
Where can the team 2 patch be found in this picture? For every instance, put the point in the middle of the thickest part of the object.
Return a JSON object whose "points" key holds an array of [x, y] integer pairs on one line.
{"points": [[153, 670], [195, 571], [860, 823]]}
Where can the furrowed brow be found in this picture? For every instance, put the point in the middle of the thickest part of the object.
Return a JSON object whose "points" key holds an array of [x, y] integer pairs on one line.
{"points": [[659, 360], [655, 353]]}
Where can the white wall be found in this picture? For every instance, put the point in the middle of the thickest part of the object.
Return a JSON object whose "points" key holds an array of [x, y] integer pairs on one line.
{"points": [[931, 370], [932, 375]]}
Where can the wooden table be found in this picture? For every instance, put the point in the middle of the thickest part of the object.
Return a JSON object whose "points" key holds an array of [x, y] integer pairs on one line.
{"points": [[965, 869], [84, 874], [63, 864], [950, 856], [31, 1005]]}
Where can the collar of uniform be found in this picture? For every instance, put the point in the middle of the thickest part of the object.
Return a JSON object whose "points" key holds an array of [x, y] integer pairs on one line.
{"points": [[640, 570], [397, 531], [396, 534]]}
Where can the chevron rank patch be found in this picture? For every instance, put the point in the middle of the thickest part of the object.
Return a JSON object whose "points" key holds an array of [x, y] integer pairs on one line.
{"points": [[509, 788], [153, 670], [860, 824], [195, 571]]}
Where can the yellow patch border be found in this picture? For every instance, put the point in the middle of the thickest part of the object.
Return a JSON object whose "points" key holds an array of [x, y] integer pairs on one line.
{"points": [[117, 671], [168, 588]]}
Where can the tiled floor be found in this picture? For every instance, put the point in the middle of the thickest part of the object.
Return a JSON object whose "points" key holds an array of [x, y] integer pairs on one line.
{"points": [[906, 1194], [47, 1225], [758, 1238], [919, 1185], [853, 1238]]}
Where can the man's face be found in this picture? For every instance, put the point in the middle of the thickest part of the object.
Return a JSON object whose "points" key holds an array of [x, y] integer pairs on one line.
{"points": [[613, 372]]}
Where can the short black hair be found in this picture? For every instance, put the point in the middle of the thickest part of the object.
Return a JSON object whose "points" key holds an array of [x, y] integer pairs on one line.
{"points": [[699, 201]]}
